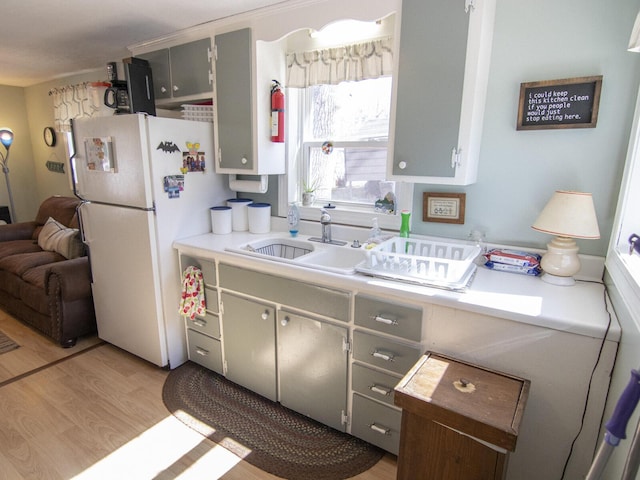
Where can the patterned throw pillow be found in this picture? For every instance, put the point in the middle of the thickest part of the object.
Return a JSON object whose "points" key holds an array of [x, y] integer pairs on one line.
{"points": [[55, 237]]}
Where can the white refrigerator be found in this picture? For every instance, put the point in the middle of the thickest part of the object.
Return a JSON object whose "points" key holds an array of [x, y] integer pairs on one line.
{"points": [[145, 181]]}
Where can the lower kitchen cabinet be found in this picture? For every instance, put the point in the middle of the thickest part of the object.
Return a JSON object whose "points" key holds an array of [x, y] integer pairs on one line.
{"points": [[312, 367], [249, 338]]}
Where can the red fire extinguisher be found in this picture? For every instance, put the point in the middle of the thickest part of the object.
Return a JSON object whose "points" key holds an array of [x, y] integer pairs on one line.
{"points": [[277, 112]]}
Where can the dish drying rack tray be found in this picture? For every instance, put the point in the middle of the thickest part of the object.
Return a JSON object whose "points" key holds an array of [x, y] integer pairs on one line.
{"points": [[425, 262]]}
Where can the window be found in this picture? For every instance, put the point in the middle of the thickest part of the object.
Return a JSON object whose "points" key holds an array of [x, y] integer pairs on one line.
{"points": [[624, 267], [338, 100], [345, 141]]}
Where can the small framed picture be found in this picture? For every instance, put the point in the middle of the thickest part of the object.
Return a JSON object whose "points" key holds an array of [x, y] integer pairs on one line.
{"points": [[443, 207]]}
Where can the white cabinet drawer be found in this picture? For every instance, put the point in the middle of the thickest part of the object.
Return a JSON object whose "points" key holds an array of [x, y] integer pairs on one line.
{"points": [[384, 353], [373, 383], [395, 319], [376, 423], [209, 324], [205, 351]]}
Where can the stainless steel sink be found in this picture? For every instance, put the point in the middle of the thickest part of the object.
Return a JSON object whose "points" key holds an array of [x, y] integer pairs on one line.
{"points": [[331, 257]]}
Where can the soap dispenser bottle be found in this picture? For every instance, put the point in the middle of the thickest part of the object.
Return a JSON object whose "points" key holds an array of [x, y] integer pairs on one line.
{"points": [[375, 230], [293, 218]]}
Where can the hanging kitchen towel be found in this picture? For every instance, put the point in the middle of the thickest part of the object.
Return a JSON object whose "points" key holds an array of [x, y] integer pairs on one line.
{"points": [[192, 302]]}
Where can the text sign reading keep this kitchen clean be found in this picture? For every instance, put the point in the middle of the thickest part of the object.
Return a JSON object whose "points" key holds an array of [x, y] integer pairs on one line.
{"points": [[567, 103]]}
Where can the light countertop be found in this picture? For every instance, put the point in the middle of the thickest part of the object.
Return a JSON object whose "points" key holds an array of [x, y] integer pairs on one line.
{"points": [[581, 309]]}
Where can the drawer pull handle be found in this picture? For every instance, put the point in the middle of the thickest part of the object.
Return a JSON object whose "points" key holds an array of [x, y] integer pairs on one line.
{"points": [[202, 351], [380, 390], [387, 357], [199, 323], [386, 321], [380, 430]]}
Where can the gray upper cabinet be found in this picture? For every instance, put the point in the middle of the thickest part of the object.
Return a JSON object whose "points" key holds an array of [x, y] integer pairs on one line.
{"points": [[440, 89], [233, 100], [244, 70], [182, 70]]}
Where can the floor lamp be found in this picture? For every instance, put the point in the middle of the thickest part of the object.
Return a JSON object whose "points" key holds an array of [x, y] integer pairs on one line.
{"points": [[6, 138]]}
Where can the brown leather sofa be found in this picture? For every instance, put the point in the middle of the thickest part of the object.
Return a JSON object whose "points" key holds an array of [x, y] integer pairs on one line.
{"points": [[42, 287]]}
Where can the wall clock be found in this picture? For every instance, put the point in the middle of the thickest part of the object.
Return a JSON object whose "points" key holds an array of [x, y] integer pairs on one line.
{"points": [[49, 136]]}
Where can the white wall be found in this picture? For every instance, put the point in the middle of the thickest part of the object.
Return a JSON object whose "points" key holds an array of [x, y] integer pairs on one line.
{"points": [[13, 115]]}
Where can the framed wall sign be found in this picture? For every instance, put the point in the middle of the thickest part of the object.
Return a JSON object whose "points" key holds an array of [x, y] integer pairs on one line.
{"points": [[566, 103], [443, 207]]}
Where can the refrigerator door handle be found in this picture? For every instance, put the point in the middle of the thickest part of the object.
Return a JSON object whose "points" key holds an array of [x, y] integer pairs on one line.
{"points": [[83, 237]]}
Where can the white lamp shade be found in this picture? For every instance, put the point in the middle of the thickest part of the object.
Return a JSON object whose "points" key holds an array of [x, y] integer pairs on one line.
{"points": [[569, 214], [634, 41]]}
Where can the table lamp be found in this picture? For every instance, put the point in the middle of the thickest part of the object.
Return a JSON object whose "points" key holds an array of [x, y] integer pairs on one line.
{"points": [[568, 215]]}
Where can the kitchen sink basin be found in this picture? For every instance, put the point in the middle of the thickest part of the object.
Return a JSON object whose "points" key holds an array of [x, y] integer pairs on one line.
{"points": [[280, 248], [337, 259], [320, 256]]}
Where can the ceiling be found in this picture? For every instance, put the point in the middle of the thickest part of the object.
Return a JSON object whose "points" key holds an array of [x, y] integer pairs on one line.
{"points": [[40, 40]]}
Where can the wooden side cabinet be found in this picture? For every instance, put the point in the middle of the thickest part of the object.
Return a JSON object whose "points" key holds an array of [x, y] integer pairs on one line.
{"points": [[459, 421]]}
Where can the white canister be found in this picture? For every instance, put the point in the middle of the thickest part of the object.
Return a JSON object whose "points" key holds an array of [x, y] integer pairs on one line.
{"points": [[221, 220], [239, 214], [259, 217]]}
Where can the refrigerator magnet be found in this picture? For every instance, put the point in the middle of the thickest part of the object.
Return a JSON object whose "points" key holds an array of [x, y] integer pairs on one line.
{"points": [[173, 185], [167, 147]]}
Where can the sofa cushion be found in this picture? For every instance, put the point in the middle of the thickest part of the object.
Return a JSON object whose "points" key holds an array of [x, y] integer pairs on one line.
{"points": [[62, 209], [55, 237], [20, 263], [13, 247]]}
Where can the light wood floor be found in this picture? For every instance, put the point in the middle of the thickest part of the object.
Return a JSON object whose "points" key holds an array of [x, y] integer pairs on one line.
{"points": [[96, 412]]}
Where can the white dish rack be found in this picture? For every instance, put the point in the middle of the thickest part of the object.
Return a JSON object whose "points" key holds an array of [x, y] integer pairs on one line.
{"points": [[425, 262]]}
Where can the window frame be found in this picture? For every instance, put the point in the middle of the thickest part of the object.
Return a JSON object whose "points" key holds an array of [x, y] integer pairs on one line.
{"points": [[290, 184], [624, 268]]}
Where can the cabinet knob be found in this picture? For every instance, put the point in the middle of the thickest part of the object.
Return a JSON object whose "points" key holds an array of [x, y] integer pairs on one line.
{"points": [[265, 315], [244, 161], [285, 321], [163, 89], [402, 165], [175, 88]]}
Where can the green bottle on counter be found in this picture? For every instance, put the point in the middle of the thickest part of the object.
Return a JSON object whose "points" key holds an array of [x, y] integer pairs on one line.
{"points": [[405, 215]]}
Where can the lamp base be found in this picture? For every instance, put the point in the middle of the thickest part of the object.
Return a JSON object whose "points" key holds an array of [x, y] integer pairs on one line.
{"points": [[556, 280], [561, 261]]}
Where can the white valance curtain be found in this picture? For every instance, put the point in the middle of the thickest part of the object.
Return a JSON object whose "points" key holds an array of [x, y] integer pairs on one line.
{"points": [[331, 66], [75, 101]]}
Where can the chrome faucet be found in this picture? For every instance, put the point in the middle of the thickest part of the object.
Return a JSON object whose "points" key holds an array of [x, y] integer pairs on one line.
{"points": [[325, 221]]}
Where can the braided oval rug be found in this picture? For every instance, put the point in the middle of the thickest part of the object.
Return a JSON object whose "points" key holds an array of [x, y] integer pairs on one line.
{"points": [[263, 433]]}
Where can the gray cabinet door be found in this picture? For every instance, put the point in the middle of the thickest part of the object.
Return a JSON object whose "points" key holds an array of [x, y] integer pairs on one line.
{"points": [[433, 44], [190, 68], [181, 70], [312, 366], [248, 332], [160, 72], [233, 99]]}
